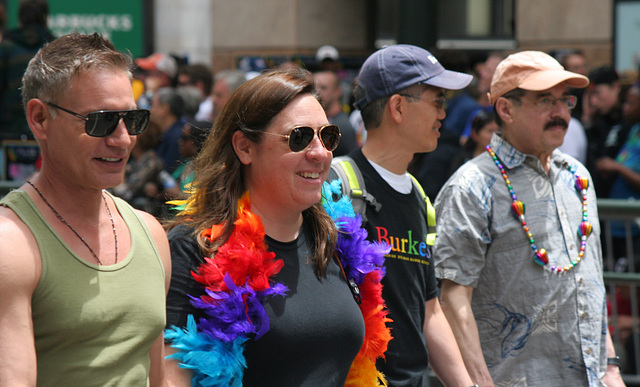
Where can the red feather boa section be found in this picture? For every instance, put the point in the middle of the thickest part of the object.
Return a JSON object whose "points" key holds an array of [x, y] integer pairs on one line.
{"points": [[363, 371]]}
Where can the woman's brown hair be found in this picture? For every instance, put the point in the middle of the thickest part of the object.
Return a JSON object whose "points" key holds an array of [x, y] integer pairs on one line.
{"points": [[219, 177]]}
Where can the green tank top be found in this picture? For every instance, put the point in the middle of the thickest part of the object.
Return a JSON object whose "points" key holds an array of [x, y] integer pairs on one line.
{"points": [[94, 325]]}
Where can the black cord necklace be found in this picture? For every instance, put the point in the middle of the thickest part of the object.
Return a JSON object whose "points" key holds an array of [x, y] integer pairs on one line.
{"points": [[113, 225]]}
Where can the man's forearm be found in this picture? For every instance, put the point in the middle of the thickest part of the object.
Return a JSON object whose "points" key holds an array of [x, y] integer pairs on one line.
{"points": [[446, 360], [456, 304]]}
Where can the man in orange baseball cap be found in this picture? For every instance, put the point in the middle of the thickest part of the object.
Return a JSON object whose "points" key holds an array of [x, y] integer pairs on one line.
{"points": [[160, 70], [518, 249]]}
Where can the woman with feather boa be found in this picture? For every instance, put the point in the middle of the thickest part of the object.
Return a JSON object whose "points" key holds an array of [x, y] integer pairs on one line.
{"points": [[271, 285]]}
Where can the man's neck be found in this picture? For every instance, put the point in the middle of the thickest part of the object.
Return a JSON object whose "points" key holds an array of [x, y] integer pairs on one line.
{"points": [[545, 160], [380, 149], [72, 200], [544, 157]]}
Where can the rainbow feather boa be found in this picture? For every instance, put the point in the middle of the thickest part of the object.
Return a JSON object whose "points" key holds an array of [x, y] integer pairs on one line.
{"points": [[237, 284]]}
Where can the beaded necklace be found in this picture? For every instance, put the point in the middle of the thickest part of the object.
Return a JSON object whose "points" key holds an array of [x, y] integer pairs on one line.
{"points": [[518, 209]]}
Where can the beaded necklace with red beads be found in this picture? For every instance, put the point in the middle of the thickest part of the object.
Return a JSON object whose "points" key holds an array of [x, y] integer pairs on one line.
{"points": [[518, 209]]}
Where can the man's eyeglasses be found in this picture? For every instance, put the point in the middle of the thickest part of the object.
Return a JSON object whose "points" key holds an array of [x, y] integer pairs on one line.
{"points": [[441, 102], [105, 122], [548, 103], [300, 137]]}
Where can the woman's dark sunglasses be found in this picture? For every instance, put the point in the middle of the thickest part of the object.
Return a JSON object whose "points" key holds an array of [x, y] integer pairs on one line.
{"points": [[301, 136], [105, 122]]}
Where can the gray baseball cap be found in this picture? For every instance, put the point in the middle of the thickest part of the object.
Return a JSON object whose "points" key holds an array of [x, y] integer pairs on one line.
{"points": [[394, 68]]}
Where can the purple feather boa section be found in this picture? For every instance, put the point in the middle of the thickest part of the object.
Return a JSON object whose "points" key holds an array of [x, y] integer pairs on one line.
{"points": [[229, 317], [359, 256]]}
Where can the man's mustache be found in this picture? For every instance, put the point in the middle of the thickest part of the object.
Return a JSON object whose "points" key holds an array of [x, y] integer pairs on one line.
{"points": [[557, 122]]}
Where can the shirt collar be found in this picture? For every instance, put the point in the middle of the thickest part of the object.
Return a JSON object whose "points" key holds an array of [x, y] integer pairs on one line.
{"points": [[511, 157], [508, 155]]}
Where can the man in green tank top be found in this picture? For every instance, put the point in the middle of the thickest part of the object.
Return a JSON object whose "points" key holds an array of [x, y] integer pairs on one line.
{"points": [[83, 276]]}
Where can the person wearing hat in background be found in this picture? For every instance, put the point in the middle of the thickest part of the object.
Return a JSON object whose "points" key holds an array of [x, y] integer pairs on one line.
{"points": [[518, 249], [159, 70], [400, 92], [602, 118], [327, 58]]}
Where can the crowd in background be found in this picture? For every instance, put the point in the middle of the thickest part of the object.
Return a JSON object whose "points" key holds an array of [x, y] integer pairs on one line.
{"points": [[601, 123], [183, 96]]}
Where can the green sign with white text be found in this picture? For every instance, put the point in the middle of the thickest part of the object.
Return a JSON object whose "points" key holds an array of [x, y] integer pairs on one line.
{"points": [[122, 21]]}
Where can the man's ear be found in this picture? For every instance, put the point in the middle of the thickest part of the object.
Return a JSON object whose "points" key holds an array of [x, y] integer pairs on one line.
{"points": [[243, 147], [38, 117], [504, 107], [396, 107]]}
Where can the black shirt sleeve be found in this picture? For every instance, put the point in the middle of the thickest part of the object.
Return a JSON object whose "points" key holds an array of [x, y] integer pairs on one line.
{"points": [[186, 257]]}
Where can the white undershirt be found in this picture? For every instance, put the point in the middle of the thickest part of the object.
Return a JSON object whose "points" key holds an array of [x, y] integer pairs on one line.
{"points": [[401, 183]]}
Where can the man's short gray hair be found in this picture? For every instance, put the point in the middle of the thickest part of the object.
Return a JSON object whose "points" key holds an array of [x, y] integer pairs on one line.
{"points": [[170, 96], [53, 68]]}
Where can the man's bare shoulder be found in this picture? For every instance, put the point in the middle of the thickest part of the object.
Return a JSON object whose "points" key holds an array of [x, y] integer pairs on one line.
{"points": [[10, 224], [150, 221], [160, 237], [20, 270], [19, 254]]}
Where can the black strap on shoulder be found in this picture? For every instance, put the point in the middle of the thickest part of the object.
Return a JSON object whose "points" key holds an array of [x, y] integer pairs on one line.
{"points": [[353, 286]]}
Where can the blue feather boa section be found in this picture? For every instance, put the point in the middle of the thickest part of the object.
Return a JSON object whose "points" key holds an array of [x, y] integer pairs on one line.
{"points": [[358, 256], [213, 348]]}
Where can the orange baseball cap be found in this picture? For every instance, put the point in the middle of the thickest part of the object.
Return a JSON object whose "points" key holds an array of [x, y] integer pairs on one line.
{"points": [[160, 62], [531, 70]]}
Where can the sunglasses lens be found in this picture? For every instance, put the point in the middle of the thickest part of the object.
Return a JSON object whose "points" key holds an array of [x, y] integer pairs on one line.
{"points": [[136, 121], [300, 138], [330, 136], [101, 124]]}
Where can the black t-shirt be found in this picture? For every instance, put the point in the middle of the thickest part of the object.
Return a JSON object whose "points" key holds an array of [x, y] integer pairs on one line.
{"points": [[409, 280], [315, 331], [185, 258]]}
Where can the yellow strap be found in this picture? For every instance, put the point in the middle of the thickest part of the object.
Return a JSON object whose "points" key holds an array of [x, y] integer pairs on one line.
{"points": [[431, 238], [431, 213], [352, 177]]}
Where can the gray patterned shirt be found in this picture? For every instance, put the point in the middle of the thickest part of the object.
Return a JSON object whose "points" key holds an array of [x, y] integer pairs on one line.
{"points": [[536, 328]]}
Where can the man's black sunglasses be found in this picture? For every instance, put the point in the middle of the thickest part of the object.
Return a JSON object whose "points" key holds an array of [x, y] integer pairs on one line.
{"points": [[300, 137], [105, 122]]}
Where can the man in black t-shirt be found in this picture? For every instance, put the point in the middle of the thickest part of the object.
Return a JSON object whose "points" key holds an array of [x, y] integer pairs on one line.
{"points": [[400, 92]]}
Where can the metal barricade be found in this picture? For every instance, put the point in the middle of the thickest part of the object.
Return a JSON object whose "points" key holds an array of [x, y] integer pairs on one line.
{"points": [[621, 260]]}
